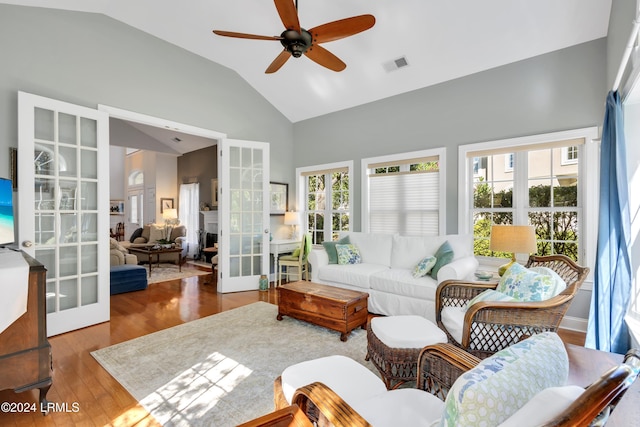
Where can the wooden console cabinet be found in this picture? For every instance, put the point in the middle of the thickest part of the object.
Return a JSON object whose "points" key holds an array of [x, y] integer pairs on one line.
{"points": [[25, 352]]}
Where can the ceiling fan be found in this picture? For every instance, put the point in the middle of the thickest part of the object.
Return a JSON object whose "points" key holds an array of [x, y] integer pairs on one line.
{"points": [[298, 41]]}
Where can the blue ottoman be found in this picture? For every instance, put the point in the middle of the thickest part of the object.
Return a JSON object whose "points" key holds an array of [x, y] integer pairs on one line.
{"points": [[127, 278]]}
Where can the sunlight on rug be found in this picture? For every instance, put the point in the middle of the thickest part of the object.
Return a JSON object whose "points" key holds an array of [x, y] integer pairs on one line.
{"points": [[168, 271], [219, 370]]}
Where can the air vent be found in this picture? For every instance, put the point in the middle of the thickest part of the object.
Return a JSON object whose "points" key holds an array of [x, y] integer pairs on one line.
{"points": [[176, 139], [396, 64]]}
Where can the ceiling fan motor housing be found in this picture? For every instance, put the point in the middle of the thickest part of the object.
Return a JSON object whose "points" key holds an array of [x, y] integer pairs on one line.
{"points": [[296, 43]]}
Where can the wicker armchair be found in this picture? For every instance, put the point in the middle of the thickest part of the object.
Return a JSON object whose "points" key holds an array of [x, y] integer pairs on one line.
{"points": [[491, 326], [439, 366]]}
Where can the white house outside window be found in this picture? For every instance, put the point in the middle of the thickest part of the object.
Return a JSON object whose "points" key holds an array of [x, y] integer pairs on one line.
{"points": [[539, 189], [404, 193]]}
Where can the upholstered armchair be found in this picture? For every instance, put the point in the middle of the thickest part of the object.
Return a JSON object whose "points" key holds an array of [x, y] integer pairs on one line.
{"points": [[118, 255], [524, 385], [488, 326]]}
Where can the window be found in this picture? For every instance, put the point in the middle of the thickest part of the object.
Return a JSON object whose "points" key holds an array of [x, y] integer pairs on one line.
{"points": [[326, 199], [404, 193], [524, 181], [570, 155]]}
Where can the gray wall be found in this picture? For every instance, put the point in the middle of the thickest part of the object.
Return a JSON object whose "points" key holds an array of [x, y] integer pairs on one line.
{"points": [[561, 90], [90, 59]]}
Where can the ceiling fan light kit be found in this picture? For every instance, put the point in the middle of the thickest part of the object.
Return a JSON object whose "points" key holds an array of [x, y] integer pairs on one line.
{"points": [[297, 41]]}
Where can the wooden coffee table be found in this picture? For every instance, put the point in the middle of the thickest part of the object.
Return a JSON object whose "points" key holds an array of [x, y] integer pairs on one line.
{"points": [[150, 252], [341, 310]]}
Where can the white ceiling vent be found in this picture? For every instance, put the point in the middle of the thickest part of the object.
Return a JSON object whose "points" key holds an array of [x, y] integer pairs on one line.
{"points": [[396, 64]]}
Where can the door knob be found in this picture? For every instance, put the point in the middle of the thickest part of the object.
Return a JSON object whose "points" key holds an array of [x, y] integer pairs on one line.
{"points": [[27, 243]]}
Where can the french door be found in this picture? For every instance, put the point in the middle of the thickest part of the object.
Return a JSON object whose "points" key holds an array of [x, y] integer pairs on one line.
{"points": [[243, 232], [63, 215]]}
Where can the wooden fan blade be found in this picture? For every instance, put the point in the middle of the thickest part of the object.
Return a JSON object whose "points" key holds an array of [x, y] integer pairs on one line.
{"points": [[325, 58], [342, 28], [278, 62], [245, 36], [288, 14]]}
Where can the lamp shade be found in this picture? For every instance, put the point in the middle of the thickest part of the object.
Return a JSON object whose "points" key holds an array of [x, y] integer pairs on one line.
{"points": [[292, 218], [170, 214], [513, 238]]}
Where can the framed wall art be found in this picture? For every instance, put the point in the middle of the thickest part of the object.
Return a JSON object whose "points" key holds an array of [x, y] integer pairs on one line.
{"points": [[165, 204], [278, 198]]}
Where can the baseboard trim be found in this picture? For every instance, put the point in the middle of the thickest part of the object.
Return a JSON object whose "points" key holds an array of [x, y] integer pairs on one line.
{"points": [[574, 324]]}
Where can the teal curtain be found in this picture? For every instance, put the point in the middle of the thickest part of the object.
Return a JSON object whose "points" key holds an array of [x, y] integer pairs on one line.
{"points": [[607, 329]]}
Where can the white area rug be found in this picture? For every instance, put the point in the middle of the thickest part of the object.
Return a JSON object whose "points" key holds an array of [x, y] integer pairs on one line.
{"points": [[219, 370], [168, 271]]}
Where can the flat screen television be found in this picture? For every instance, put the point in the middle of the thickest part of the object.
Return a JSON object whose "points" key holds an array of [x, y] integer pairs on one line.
{"points": [[7, 223]]}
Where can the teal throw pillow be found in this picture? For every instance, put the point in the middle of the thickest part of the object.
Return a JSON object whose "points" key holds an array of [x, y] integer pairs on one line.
{"points": [[526, 285], [330, 248], [424, 266], [444, 255], [348, 254], [489, 295]]}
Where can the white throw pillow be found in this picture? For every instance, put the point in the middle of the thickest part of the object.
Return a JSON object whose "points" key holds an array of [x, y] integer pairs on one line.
{"points": [[156, 232], [424, 266], [489, 295], [559, 283]]}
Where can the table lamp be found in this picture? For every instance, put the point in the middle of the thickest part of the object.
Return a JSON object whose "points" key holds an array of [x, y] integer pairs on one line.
{"points": [[514, 239], [292, 219], [170, 216]]}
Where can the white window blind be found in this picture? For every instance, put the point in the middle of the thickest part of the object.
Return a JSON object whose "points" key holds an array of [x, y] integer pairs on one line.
{"points": [[404, 203]]}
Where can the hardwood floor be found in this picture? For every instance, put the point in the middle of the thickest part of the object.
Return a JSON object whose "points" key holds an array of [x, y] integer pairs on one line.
{"points": [[85, 394]]}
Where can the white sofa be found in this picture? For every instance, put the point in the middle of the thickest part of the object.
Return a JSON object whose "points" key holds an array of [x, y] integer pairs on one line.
{"points": [[386, 270]]}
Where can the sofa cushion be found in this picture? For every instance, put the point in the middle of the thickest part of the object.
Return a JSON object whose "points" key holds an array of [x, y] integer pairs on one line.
{"points": [[424, 266], [330, 248], [401, 407], [374, 248], [348, 378], [545, 406], [501, 384], [348, 254], [444, 255], [358, 275], [453, 320], [178, 231], [526, 285], [402, 282], [146, 231], [407, 251], [156, 232]]}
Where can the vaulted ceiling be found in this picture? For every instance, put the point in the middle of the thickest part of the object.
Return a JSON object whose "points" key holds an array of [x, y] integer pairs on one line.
{"points": [[440, 40]]}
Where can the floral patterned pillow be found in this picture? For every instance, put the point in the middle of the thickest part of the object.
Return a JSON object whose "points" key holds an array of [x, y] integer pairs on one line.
{"points": [[501, 384], [526, 285], [348, 254], [489, 295], [424, 266]]}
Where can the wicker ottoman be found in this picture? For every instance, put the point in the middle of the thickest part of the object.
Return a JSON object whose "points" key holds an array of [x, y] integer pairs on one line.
{"points": [[394, 344]]}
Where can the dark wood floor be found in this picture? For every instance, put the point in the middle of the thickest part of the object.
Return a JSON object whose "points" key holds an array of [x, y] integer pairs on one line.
{"points": [[101, 401]]}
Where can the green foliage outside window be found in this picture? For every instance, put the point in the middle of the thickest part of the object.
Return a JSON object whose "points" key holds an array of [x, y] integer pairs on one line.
{"points": [[556, 230]]}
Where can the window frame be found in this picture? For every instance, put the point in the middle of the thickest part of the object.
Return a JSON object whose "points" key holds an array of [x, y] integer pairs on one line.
{"points": [[588, 181], [440, 152], [301, 196]]}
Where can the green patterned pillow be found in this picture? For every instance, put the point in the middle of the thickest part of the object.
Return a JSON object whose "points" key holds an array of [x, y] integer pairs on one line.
{"points": [[444, 255], [348, 254], [501, 384], [330, 248], [526, 285], [489, 295], [424, 266]]}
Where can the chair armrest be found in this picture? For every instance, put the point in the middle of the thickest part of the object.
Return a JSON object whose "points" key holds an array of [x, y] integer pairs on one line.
{"points": [[331, 409], [440, 365], [456, 293], [509, 322], [139, 240], [318, 258], [180, 240], [460, 269]]}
